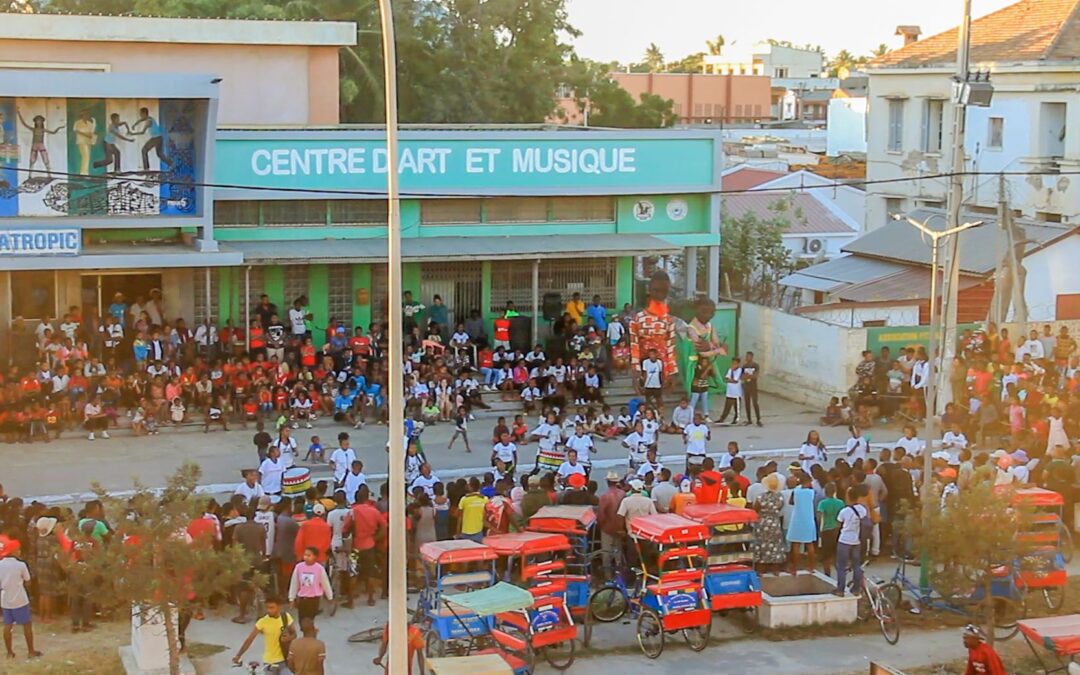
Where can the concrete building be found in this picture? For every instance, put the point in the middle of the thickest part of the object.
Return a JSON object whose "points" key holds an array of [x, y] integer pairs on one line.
{"points": [[270, 72], [1032, 50], [764, 58], [705, 99], [213, 216]]}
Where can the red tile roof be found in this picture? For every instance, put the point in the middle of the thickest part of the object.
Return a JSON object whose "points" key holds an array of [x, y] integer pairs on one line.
{"points": [[806, 214], [746, 178], [1030, 30]]}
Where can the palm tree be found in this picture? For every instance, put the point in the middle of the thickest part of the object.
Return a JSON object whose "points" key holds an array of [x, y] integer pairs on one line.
{"points": [[654, 58], [716, 45], [845, 60], [882, 50]]}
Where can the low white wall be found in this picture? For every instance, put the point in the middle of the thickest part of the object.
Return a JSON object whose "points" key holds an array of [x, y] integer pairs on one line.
{"points": [[802, 359]]}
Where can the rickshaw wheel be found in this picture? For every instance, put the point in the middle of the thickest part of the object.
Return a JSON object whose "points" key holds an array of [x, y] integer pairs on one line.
{"points": [[434, 647], [1054, 597], [650, 633], [1001, 615], [1065, 542], [750, 619], [560, 656], [608, 604], [697, 637]]}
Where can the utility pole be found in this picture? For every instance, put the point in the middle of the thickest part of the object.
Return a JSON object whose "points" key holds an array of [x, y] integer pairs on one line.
{"points": [[954, 204], [399, 614]]}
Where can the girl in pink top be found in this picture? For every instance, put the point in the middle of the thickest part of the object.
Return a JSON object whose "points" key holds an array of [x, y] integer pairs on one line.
{"points": [[309, 584]]}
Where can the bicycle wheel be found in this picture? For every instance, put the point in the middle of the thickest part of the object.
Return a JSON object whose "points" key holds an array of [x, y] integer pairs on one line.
{"points": [[697, 637], [367, 635], [650, 633], [1054, 596], [889, 620], [560, 656], [1065, 542], [863, 610], [1001, 615], [894, 594], [608, 604]]}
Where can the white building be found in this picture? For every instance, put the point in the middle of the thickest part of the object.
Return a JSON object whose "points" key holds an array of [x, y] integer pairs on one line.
{"points": [[1032, 49], [767, 59]]}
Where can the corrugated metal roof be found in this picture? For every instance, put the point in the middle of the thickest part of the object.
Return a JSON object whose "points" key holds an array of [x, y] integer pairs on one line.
{"points": [[744, 178], [418, 249], [806, 214], [840, 272], [981, 248], [912, 283]]}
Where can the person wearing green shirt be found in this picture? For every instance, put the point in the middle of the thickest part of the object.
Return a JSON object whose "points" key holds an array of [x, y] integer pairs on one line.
{"points": [[509, 310], [827, 510]]}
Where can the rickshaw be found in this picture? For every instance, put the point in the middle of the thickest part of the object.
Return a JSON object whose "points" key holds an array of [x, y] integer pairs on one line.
{"points": [[452, 568], [668, 592], [477, 664], [578, 524], [730, 580], [1046, 545], [534, 562], [1059, 635]]}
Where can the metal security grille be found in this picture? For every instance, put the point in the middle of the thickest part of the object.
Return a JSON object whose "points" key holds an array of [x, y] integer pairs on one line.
{"points": [[358, 212], [379, 290], [512, 280], [201, 309], [294, 212], [236, 214], [458, 283], [257, 280], [450, 211], [516, 210], [583, 209], [340, 302], [296, 284]]}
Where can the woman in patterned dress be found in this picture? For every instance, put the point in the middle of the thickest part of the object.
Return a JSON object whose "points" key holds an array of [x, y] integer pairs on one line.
{"points": [[50, 579], [770, 547]]}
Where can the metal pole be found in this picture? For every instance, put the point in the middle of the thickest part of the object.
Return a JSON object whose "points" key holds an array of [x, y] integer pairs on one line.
{"points": [[931, 392], [536, 302], [955, 196], [208, 313], [247, 305], [398, 620]]}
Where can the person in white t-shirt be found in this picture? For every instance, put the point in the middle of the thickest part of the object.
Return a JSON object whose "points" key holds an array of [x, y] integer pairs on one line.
{"points": [[650, 465], [652, 379], [954, 441], [857, 446], [723, 462], [426, 480], [341, 459], [250, 488], [635, 443], [696, 435], [733, 392], [849, 541], [297, 317], [506, 451], [271, 471], [582, 443], [354, 478], [286, 445], [570, 467], [910, 442]]}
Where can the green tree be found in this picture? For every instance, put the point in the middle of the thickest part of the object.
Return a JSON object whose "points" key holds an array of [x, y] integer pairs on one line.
{"points": [[459, 61], [654, 58], [844, 60], [610, 105], [715, 46], [149, 563], [688, 64], [881, 50], [752, 251]]}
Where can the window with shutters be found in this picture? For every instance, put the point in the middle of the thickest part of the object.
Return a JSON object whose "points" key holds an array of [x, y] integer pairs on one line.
{"points": [[258, 284], [516, 210], [358, 212], [242, 213], [202, 310], [896, 125], [933, 123], [294, 212], [583, 209], [450, 211], [340, 295], [512, 280]]}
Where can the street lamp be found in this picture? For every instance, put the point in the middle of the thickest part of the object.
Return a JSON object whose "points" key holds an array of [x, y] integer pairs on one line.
{"points": [[932, 348], [398, 614]]}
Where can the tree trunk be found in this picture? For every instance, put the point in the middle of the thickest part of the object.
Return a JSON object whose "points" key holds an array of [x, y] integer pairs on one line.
{"points": [[172, 637]]}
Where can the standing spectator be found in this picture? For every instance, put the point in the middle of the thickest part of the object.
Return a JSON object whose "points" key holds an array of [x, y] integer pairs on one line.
{"points": [[366, 524], [410, 311], [307, 654], [277, 629], [14, 600], [285, 530], [439, 314], [849, 542], [732, 391], [309, 584], [769, 549], [575, 307], [598, 313], [802, 530], [751, 373]]}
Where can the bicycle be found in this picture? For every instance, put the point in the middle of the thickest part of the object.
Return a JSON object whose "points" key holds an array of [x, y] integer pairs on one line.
{"points": [[873, 603], [1001, 612]]}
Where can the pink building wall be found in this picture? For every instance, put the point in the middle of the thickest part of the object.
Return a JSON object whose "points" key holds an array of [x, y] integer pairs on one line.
{"points": [[261, 84], [698, 97]]}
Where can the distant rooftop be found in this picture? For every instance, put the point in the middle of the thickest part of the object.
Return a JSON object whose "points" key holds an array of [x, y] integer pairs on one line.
{"points": [[82, 28], [1030, 30]]}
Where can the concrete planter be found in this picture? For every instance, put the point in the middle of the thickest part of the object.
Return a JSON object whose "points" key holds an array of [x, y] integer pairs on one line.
{"points": [[148, 653], [803, 600]]}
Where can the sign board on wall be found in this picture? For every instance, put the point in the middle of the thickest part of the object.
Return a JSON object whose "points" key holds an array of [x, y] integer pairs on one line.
{"points": [[901, 337], [469, 162], [41, 241]]}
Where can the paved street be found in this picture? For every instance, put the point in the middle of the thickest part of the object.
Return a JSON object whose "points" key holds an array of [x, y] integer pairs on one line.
{"points": [[71, 464]]}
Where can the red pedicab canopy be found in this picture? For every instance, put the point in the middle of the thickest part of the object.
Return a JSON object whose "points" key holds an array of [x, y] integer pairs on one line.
{"points": [[571, 519], [1060, 634], [456, 551], [667, 528], [527, 543], [1037, 497], [719, 514]]}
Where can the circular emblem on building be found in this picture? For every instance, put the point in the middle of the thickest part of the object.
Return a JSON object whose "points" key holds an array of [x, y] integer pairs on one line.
{"points": [[644, 210], [677, 208]]}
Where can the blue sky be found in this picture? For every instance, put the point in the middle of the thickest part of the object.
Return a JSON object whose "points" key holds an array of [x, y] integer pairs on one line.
{"points": [[622, 29]]}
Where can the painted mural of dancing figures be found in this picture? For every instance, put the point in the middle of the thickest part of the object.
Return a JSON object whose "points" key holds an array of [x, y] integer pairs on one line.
{"points": [[113, 133], [148, 125], [85, 130], [37, 143]]}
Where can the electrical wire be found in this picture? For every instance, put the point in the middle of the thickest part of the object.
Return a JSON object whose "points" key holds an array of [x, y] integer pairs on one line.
{"points": [[857, 183]]}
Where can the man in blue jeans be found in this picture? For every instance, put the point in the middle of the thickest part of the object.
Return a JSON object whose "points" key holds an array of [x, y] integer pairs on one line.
{"points": [[849, 542]]}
